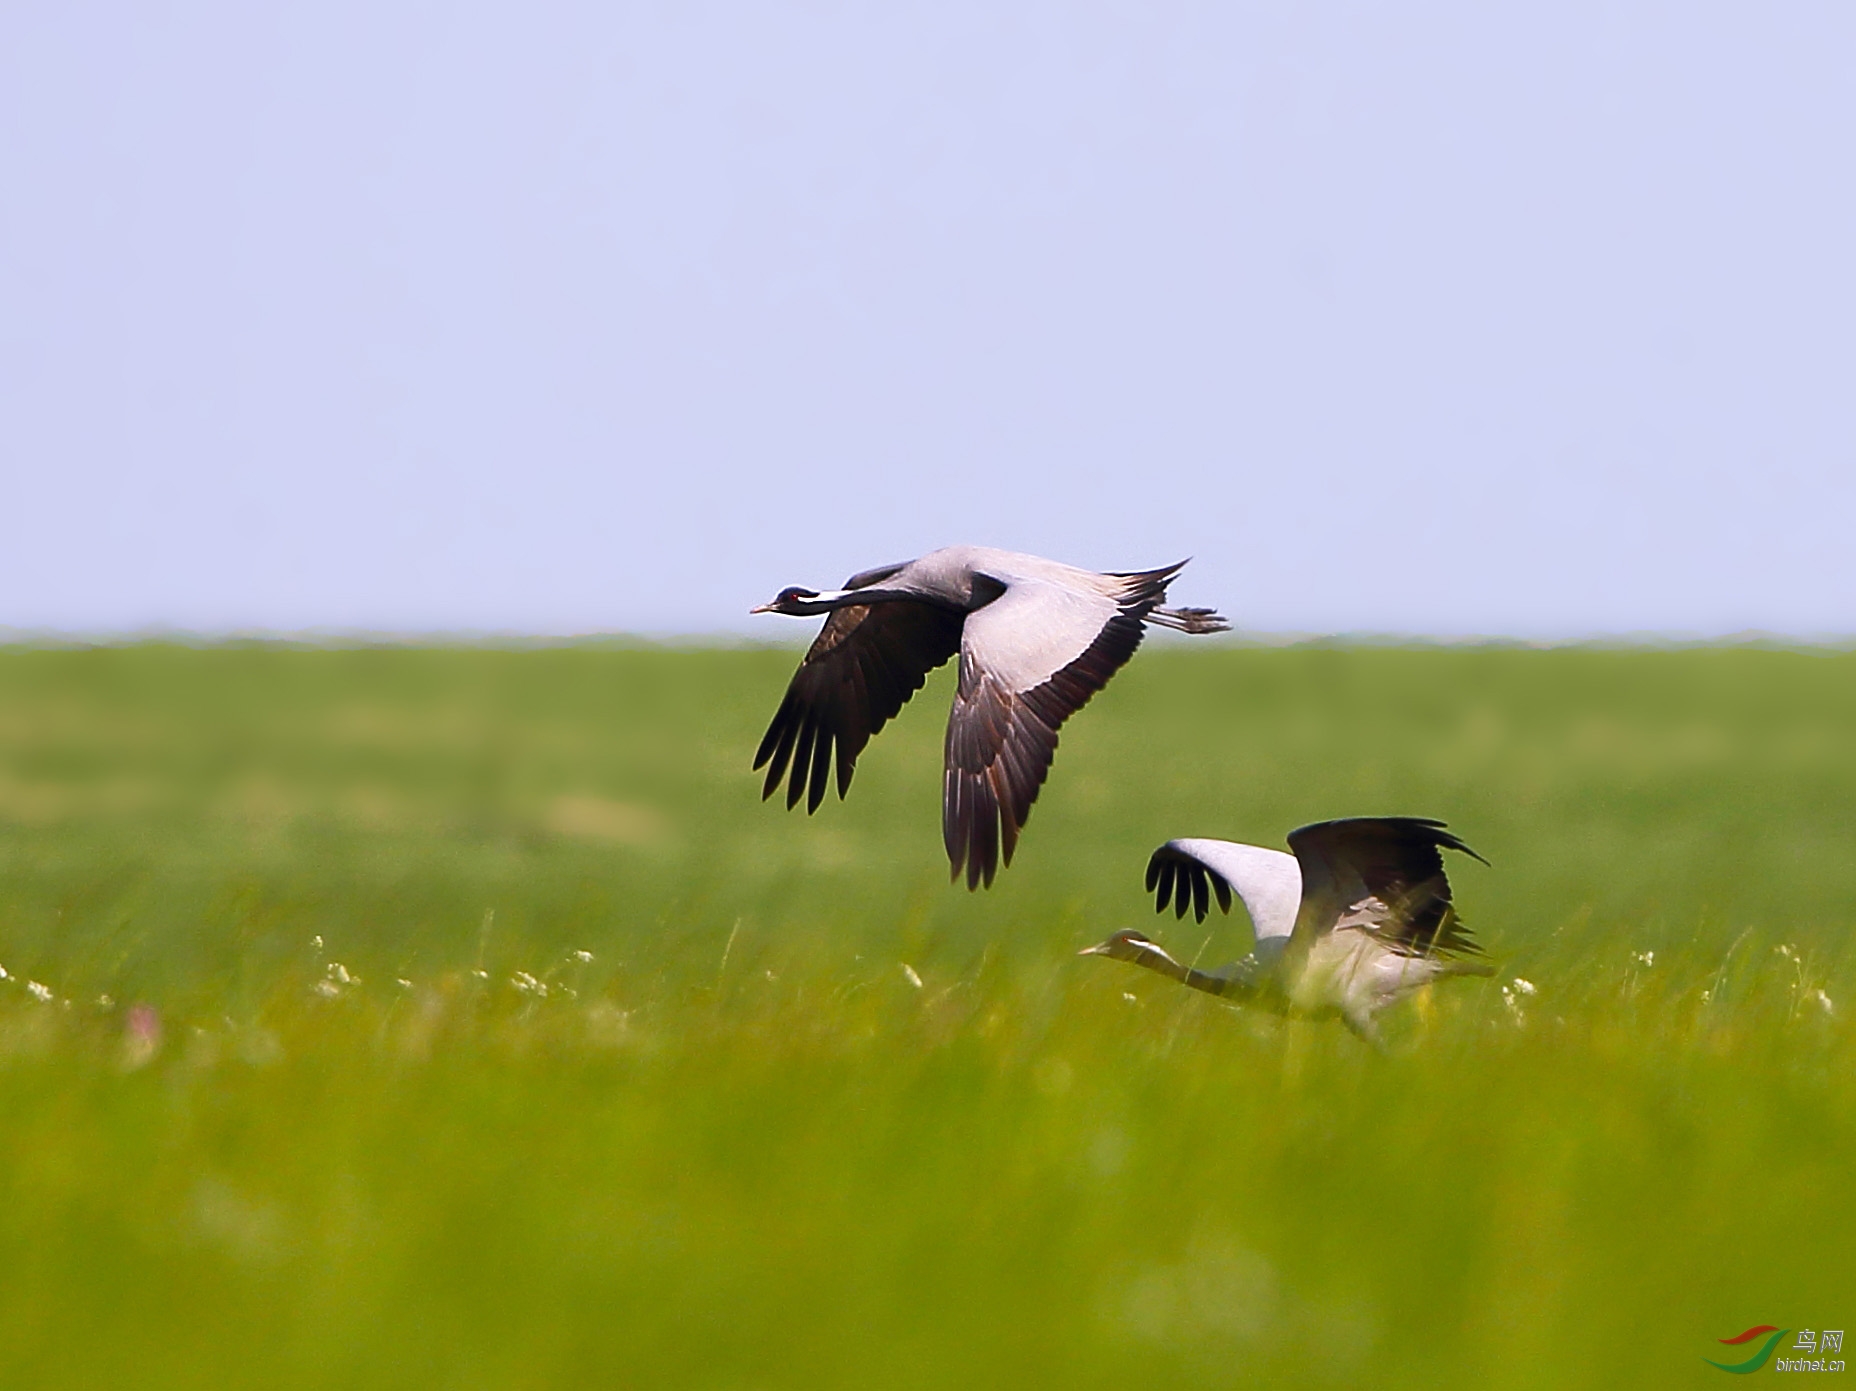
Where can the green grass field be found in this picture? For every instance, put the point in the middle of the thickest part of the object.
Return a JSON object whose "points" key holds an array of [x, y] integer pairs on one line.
{"points": [[323, 1096]]}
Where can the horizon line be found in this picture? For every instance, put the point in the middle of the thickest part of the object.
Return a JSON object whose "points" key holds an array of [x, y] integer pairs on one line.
{"points": [[333, 637]]}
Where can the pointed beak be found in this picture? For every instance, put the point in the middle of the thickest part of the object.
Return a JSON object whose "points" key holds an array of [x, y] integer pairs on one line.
{"points": [[1099, 949], [761, 608]]}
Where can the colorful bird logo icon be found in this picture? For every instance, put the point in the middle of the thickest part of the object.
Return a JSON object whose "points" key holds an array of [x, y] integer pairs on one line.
{"points": [[1758, 1359]]}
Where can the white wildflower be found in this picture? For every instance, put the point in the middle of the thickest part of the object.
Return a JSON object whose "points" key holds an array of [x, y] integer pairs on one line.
{"points": [[1706, 996], [3, 974], [315, 943], [583, 957], [1790, 953], [528, 985], [908, 974], [105, 1002], [328, 989], [402, 983], [480, 973], [1525, 987], [1130, 997], [1822, 1001], [39, 992], [339, 974], [1648, 958]]}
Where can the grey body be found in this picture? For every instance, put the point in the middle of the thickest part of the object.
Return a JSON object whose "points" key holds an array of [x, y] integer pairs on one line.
{"points": [[1358, 916], [1035, 638]]}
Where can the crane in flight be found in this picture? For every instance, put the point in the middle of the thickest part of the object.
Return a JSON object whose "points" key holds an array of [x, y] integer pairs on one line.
{"points": [[1036, 639], [1358, 915]]}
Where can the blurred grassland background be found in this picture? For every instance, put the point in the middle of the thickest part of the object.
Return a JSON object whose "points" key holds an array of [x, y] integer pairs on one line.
{"points": [[460, 1016]]}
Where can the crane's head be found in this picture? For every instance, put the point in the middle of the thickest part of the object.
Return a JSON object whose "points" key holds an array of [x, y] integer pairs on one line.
{"points": [[792, 600], [1128, 945]]}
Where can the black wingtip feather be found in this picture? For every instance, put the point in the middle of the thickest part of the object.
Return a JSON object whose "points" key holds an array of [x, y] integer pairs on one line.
{"points": [[1435, 831], [821, 770], [1450, 842], [777, 745], [776, 770], [802, 763], [770, 741]]}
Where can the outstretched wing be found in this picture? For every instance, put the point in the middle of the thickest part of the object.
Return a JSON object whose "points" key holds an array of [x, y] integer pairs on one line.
{"points": [[1187, 873], [862, 668], [1385, 875], [1028, 661]]}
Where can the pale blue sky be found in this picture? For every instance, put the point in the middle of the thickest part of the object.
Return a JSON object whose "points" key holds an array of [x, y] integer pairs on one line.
{"points": [[1420, 317]]}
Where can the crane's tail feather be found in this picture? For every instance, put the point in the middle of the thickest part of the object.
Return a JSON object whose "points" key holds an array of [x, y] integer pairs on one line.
{"points": [[1189, 620], [1143, 594]]}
